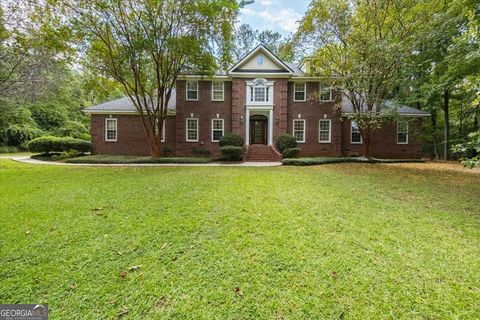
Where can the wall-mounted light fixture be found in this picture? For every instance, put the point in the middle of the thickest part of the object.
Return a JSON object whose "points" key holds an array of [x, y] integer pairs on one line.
{"points": [[218, 116], [277, 120], [191, 115], [241, 119], [299, 116]]}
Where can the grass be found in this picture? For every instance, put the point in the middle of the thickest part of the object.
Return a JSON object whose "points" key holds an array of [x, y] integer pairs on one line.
{"points": [[135, 159], [352, 241], [328, 160]]}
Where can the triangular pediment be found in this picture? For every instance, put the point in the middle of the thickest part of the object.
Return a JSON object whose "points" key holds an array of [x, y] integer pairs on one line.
{"points": [[260, 60]]}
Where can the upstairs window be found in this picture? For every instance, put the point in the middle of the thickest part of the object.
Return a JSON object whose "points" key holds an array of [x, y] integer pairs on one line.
{"points": [[299, 130], [325, 93], [110, 129], [356, 136], [192, 90], [192, 130], [217, 90], [324, 131], [259, 92], [217, 129], [402, 132], [299, 91]]}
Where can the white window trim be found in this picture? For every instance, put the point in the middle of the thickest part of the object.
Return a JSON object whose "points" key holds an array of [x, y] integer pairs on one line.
{"points": [[223, 128], [329, 131], [321, 86], [223, 91], [351, 131], [304, 92], [304, 129], [186, 130], [116, 129], [269, 97], [186, 90], [406, 123]]}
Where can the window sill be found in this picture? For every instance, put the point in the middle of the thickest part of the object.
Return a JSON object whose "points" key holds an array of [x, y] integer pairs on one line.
{"points": [[324, 142], [356, 142]]}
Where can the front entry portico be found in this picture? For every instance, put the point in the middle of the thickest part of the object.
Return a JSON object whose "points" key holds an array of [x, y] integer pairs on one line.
{"points": [[259, 126]]}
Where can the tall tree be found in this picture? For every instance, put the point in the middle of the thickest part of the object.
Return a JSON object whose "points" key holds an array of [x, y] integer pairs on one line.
{"points": [[360, 45], [146, 45]]}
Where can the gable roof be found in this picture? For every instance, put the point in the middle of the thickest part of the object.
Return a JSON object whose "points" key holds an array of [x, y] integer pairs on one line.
{"points": [[282, 66], [125, 105]]}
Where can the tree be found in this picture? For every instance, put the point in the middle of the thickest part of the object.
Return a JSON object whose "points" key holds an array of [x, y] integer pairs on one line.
{"points": [[360, 45], [145, 46]]}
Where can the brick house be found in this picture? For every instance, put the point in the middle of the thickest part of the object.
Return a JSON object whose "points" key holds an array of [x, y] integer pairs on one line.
{"points": [[260, 97]]}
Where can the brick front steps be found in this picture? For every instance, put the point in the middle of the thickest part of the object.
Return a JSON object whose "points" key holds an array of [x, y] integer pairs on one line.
{"points": [[261, 152]]}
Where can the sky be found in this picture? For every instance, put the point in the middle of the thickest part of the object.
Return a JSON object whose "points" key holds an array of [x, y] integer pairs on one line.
{"points": [[276, 15]]}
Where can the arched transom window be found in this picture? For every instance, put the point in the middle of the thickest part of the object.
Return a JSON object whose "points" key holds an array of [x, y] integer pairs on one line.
{"points": [[259, 91]]}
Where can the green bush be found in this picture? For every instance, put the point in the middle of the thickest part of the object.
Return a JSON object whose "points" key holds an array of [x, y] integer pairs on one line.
{"points": [[231, 139], [8, 149], [47, 144], [106, 159], [72, 129], [291, 153], [285, 141], [232, 153], [326, 160], [200, 152]]}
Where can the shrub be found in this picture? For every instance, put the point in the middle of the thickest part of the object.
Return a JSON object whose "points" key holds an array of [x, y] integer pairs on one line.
{"points": [[326, 160], [200, 152], [166, 151], [232, 153], [285, 141], [8, 149], [231, 139], [47, 144], [106, 159], [72, 129], [291, 153]]}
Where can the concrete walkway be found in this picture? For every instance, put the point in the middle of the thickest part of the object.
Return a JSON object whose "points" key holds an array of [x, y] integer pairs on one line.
{"points": [[213, 164]]}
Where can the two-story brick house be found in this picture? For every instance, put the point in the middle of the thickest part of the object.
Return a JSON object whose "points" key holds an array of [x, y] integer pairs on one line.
{"points": [[260, 97]]}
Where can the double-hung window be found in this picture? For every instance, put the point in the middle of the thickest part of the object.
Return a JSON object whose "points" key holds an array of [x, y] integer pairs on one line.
{"points": [[325, 131], [110, 129], [356, 136], [299, 130], [217, 90], [192, 90], [217, 129], [325, 93], [259, 91], [192, 129], [402, 132], [299, 91]]}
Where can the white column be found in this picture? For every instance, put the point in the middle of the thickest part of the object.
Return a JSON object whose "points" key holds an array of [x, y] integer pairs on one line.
{"points": [[270, 127], [247, 127]]}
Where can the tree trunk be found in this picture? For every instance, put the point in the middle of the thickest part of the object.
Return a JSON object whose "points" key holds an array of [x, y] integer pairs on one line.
{"points": [[433, 133], [366, 143], [155, 150], [446, 134]]}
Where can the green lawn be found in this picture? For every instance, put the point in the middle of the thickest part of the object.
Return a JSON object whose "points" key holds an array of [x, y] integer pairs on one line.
{"points": [[353, 241]]}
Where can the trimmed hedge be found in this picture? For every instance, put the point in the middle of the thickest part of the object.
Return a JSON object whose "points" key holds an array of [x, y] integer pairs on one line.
{"points": [[47, 144], [285, 141], [232, 153], [291, 153], [319, 161], [105, 159], [231, 139]]}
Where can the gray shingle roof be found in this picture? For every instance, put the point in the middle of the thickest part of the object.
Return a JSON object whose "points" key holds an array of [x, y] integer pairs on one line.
{"points": [[125, 104], [405, 110]]}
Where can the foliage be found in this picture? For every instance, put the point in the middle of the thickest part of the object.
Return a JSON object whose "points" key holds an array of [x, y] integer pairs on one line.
{"points": [[326, 160], [285, 141], [47, 144], [231, 139], [232, 153], [290, 153], [470, 150], [144, 46], [253, 240], [200, 152], [8, 149], [106, 159]]}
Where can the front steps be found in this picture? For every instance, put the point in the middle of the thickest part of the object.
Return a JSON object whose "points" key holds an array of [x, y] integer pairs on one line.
{"points": [[261, 152]]}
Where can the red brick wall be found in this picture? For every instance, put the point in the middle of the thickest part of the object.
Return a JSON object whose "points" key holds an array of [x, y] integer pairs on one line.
{"points": [[312, 111], [130, 135], [205, 110], [384, 142]]}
